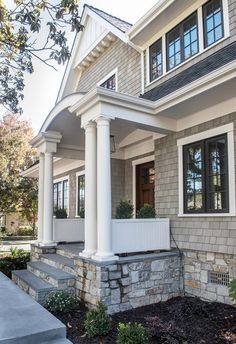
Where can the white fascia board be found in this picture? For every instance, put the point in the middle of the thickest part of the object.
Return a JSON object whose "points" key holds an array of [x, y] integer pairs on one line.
{"points": [[144, 21]]}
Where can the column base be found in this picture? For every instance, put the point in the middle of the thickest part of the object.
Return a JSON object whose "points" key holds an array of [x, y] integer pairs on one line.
{"points": [[86, 254], [105, 257]]}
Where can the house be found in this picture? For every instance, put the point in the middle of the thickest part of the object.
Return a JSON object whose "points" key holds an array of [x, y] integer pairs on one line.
{"points": [[148, 112]]}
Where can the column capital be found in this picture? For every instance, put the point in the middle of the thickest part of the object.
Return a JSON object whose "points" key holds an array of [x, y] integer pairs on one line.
{"points": [[46, 141], [103, 120], [89, 125]]}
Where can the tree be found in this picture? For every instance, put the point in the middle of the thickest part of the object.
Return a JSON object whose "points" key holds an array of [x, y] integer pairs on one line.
{"points": [[16, 155], [19, 43]]}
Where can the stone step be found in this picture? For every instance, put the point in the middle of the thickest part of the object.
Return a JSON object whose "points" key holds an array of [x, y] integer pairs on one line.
{"points": [[71, 250], [36, 287], [24, 321], [57, 277], [60, 262]]}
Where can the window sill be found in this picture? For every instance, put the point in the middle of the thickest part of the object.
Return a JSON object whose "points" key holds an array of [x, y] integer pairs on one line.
{"points": [[150, 83], [208, 215]]}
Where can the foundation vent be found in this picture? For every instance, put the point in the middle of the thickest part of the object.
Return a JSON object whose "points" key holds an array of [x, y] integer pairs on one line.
{"points": [[220, 278]]}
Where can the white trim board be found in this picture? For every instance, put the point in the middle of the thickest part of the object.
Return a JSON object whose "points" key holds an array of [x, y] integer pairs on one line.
{"points": [[225, 129], [134, 164]]}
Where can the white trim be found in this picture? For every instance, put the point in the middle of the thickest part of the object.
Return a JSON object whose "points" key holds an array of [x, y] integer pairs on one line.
{"points": [[229, 130], [78, 174], [113, 72], [62, 179], [134, 164]]}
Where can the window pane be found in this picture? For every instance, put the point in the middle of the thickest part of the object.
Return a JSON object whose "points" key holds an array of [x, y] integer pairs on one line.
{"points": [[65, 195], [217, 173], [155, 53], [81, 195], [55, 196], [59, 195], [213, 21], [110, 83], [193, 167]]}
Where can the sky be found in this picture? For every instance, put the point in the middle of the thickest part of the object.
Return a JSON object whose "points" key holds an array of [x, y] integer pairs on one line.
{"points": [[43, 85]]}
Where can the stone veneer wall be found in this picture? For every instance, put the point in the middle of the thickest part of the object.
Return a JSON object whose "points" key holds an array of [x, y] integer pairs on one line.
{"points": [[198, 264], [129, 282]]}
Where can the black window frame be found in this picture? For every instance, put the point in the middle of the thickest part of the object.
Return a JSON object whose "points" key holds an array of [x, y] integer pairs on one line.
{"points": [[62, 206], [79, 208], [204, 9], [180, 27], [206, 209], [152, 51]]}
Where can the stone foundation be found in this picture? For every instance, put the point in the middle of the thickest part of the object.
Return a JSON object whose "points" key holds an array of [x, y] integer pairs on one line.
{"points": [[130, 282], [197, 268]]}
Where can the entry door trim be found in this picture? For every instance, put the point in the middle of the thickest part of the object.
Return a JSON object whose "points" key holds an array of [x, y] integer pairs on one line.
{"points": [[134, 164]]}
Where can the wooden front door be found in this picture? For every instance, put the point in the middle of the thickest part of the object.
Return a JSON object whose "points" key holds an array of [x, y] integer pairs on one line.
{"points": [[145, 182]]}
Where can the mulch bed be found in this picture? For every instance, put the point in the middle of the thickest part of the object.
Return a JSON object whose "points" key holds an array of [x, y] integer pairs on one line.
{"points": [[177, 321]]}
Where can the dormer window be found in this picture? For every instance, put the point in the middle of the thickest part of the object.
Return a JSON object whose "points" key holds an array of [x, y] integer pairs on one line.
{"points": [[155, 56], [182, 42], [110, 83], [213, 22]]}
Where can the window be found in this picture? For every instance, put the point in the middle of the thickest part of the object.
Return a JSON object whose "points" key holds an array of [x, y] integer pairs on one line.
{"points": [[155, 60], [110, 83], [60, 195], [206, 176], [213, 22], [182, 42], [81, 195]]}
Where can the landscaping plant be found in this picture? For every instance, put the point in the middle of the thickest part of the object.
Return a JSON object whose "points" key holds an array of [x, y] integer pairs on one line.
{"points": [[60, 213], [61, 301], [232, 289], [98, 322], [17, 260], [131, 334], [125, 209], [147, 212]]}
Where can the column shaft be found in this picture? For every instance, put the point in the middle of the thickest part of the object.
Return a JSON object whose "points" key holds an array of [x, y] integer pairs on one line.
{"points": [[104, 250], [90, 191], [40, 197], [48, 200]]}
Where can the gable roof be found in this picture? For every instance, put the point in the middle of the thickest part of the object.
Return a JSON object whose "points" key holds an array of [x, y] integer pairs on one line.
{"points": [[118, 23]]}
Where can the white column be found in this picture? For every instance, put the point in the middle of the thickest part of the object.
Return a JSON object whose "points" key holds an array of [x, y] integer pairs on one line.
{"points": [[104, 249], [48, 200], [90, 191], [40, 197]]}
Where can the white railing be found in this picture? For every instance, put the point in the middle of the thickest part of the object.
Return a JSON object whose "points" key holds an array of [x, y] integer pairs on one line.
{"points": [[140, 235], [69, 230]]}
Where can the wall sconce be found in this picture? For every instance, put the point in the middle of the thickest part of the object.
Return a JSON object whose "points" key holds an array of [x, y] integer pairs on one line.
{"points": [[112, 144]]}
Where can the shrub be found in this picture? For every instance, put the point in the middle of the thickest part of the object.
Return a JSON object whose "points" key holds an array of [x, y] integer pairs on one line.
{"points": [[147, 212], [3, 230], [17, 260], [81, 213], [232, 289], [125, 209], [97, 322], [25, 231], [131, 334], [61, 301], [60, 213]]}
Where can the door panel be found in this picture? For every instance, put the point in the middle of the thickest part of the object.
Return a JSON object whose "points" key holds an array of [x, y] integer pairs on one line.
{"points": [[145, 178]]}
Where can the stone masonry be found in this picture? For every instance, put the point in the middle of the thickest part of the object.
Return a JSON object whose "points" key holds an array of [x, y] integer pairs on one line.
{"points": [[197, 267], [130, 282]]}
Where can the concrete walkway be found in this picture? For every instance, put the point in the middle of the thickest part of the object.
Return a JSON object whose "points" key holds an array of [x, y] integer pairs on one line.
{"points": [[5, 246], [24, 321]]}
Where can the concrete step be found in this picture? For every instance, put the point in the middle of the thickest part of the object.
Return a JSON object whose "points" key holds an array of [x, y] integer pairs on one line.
{"points": [[36, 287], [24, 321], [60, 262], [57, 277], [58, 341]]}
